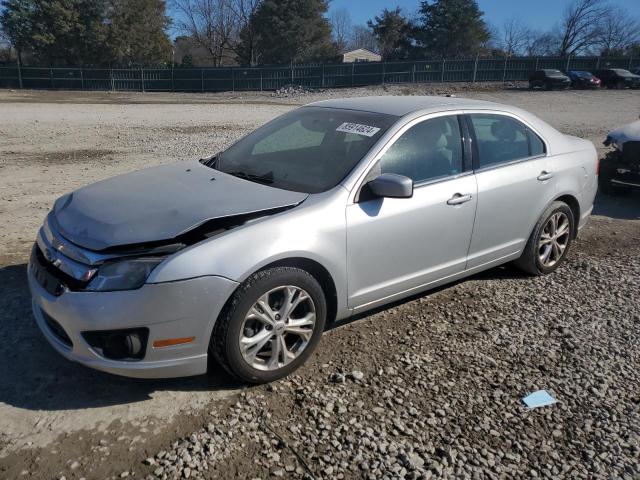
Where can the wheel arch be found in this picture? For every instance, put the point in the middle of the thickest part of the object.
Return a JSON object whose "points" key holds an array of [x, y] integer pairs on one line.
{"points": [[319, 272], [574, 205]]}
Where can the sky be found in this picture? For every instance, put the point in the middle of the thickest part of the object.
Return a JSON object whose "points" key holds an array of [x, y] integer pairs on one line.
{"points": [[538, 14]]}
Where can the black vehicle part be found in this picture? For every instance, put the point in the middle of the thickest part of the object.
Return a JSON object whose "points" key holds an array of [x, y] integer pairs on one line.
{"points": [[129, 344]]}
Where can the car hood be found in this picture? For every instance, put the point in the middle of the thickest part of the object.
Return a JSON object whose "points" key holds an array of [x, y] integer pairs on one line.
{"points": [[626, 133], [160, 204]]}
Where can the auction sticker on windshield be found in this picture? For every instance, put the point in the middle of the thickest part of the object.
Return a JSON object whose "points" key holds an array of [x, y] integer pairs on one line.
{"points": [[357, 128]]}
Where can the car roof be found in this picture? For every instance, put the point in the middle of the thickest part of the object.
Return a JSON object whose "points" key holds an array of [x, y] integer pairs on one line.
{"points": [[405, 105]]}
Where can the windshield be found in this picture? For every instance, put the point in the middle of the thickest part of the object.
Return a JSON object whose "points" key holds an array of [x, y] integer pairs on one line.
{"points": [[553, 72], [622, 73], [309, 150], [581, 74]]}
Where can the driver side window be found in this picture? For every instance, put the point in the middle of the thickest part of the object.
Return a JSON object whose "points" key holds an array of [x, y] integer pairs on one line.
{"points": [[427, 151]]}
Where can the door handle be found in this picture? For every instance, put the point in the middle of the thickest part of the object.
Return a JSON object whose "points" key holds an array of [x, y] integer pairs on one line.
{"points": [[544, 175], [459, 199]]}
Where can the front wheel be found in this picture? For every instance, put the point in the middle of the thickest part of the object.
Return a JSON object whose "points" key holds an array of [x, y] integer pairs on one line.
{"points": [[549, 242], [270, 326]]}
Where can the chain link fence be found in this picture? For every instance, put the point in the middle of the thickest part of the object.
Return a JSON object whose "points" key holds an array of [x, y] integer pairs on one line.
{"points": [[314, 76]]}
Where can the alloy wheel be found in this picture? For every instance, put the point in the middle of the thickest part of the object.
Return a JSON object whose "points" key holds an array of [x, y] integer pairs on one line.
{"points": [[554, 239], [277, 328]]}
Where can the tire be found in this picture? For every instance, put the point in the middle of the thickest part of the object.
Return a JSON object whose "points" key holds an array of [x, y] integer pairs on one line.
{"points": [[548, 86], [620, 86], [236, 322], [530, 260]]}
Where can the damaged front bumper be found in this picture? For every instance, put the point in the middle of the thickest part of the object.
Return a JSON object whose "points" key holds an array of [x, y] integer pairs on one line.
{"points": [[180, 309]]}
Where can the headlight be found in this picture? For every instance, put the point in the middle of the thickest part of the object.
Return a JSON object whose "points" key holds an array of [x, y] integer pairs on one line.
{"points": [[123, 275]]}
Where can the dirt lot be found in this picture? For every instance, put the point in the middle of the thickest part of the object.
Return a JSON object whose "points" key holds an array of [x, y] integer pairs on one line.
{"points": [[442, 373]]}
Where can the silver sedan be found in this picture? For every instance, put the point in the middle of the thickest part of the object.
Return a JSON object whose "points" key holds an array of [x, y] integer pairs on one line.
{"points": [[325, 212]]}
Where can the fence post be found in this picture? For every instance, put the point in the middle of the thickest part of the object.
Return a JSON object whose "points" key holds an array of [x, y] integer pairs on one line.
{"points": [[233, 81], [630, 62], [173, 81], [19, 73], [142, 79], [442, 73], [51, 77], [113, 85], [504, 70], [598, 63], [537, 62], [81, 80], [260, 79], [384, 71], [413, 72], [202, 79], [353, 73], [568, 62], [292, 73], [322, 75], [475, 68]]}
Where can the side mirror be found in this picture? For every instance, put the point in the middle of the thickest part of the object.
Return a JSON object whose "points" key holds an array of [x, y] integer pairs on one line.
{"points": [[391, 185]]}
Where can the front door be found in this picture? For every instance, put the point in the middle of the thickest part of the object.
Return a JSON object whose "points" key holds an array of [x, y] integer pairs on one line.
{"points": [[396, 246]]}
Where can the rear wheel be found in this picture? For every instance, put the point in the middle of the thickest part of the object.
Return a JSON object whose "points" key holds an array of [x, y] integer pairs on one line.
{"points": [[549, 242], [271, 325]]}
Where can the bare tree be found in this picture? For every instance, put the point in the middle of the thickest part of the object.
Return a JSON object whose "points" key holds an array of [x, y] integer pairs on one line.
{"points": [[618, 31], [245, 43], [5, 46], [514, 36], [362, 37], [341, 27], [580, 26], [212, 24], [541, 43]]}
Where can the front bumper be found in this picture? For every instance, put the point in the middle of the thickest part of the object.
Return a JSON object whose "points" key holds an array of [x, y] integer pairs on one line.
{"points": [[187, 308]]}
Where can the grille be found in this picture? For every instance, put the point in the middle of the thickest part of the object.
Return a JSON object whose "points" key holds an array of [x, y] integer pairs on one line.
{"points": [[57, 330], [52, 279]]}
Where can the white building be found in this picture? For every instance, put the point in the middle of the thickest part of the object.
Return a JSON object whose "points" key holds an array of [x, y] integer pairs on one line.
{"points": [[361, 55]]}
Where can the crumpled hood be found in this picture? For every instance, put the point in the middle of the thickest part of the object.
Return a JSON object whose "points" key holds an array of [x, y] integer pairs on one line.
{"points": [[627, 133], [159, 204]]}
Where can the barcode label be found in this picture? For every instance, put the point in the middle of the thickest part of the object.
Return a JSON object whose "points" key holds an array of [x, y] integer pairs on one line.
{"points": [[358, 129]]}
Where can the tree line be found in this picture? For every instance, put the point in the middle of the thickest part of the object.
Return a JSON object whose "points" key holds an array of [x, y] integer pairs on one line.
{"points": [[252, 32]]}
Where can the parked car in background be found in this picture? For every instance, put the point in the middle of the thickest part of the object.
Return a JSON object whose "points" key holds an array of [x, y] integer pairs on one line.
{"points": [[549, 79], [620, 169], [582, 79], [328, 211], [618, 78]]}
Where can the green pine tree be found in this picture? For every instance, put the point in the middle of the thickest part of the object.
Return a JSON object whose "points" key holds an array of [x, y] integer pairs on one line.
{"points": [[292, 31], [393, 33], [451, 28]]}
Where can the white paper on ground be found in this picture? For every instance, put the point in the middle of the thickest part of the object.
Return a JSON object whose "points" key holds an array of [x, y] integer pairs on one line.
{"points": [[541, 398]]}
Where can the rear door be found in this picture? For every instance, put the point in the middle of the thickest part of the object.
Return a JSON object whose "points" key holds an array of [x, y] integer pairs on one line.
{"points": [[515, 184]]}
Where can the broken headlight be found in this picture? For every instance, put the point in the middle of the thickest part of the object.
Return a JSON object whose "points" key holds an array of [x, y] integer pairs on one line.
{"points": [[123, 275]]}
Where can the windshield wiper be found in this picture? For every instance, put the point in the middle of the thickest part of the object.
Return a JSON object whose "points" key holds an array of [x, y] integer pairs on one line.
{"points": [[266, 179]]}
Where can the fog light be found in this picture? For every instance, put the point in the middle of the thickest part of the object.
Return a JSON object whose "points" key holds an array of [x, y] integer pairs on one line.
{"points": [[119, 344]]}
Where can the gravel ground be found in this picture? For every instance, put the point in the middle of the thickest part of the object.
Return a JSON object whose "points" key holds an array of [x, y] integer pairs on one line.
{"points": [[426, 388]]}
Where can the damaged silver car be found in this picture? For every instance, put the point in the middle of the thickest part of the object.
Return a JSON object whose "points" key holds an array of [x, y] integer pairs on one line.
{"points": [[325, 212]]}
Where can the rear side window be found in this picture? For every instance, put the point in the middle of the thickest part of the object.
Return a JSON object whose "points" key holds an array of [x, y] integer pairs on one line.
{"points": [[427, 151], [502, 139]]}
